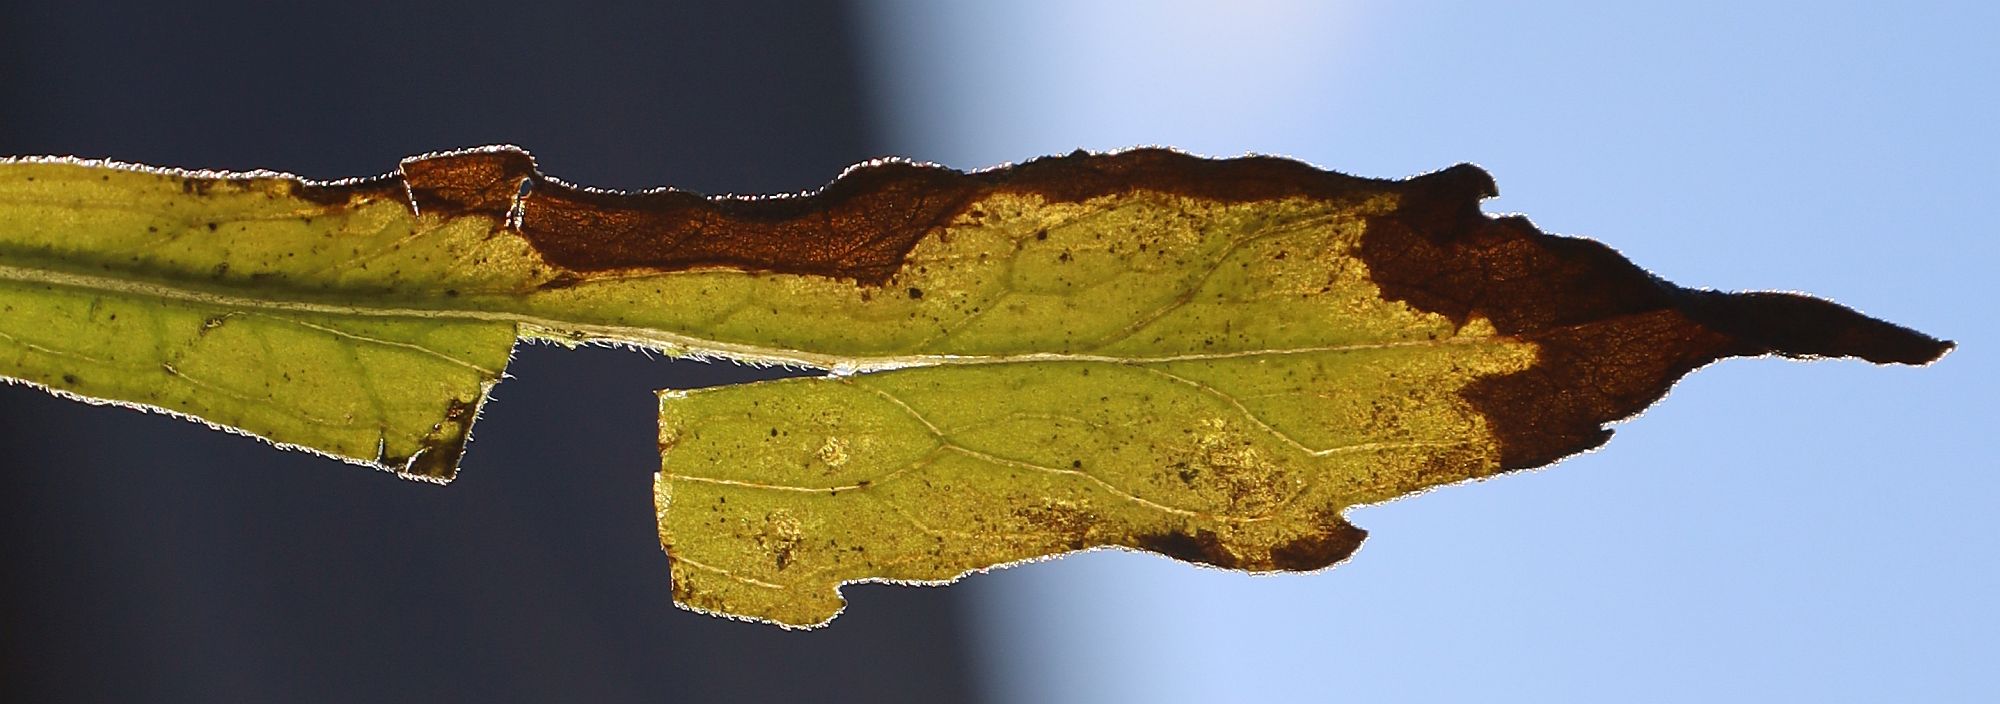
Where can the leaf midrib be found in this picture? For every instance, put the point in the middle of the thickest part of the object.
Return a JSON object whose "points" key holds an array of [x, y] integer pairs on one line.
{"points": [[662, 340]]}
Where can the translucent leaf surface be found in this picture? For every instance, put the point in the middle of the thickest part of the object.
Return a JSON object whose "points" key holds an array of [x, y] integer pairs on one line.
{"points": [[1208, 359]]}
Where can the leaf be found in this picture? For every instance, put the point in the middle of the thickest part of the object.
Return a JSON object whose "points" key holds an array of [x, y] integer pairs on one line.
{"points": [[1232, 354], [1207, 359]]}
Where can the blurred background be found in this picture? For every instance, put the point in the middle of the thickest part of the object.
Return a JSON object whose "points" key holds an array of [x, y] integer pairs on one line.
{"points": [[1775, 530]]}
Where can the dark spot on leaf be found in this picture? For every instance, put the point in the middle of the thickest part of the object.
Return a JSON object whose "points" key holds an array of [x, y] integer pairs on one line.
{"points": [[1311, 552], [1202, 546]]}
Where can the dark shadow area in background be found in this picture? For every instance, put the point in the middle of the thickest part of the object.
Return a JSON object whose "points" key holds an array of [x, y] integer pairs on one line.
{"points": [[149, 559]]}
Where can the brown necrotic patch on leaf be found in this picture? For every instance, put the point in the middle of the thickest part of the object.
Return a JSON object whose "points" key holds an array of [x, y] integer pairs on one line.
{"points": [[1202, 545], [1334, 541], [1337, 541], [481, 182], [861, 226], [1612, 337]]}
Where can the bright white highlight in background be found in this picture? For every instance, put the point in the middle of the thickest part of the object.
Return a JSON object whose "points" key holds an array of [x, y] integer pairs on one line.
{"points": [[1774, 531], [980, 85]]}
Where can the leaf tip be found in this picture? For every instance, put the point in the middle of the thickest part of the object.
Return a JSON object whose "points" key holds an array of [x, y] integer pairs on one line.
{"points": [[1800, 325]]}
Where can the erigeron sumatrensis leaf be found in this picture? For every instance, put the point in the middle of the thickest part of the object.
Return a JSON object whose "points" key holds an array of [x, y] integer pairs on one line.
{"points": [[1207, 359]]}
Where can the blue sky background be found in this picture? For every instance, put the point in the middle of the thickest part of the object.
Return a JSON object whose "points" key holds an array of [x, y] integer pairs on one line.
{"points": [[1773, 530]]}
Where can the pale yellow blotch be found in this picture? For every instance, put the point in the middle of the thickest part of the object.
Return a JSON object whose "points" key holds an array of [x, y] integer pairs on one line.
{"points": [[833, 452], [780, 534]]}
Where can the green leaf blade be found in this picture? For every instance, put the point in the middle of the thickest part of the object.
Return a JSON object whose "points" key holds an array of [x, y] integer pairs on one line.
{"points": [[395, 394], [993, 464], [1208, 359]]}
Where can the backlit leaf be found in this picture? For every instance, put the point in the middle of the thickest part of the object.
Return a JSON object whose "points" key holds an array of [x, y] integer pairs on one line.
{"points": [[1208, 359]]}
